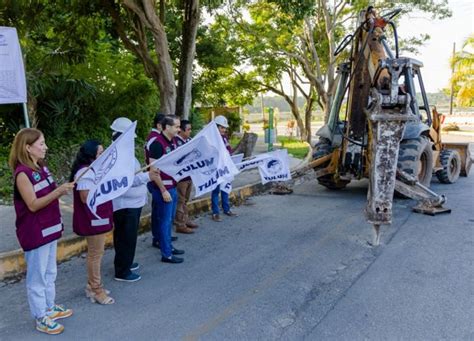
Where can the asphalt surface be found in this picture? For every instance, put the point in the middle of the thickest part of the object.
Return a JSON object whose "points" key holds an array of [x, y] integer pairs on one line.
{"points": [[287, 268]]}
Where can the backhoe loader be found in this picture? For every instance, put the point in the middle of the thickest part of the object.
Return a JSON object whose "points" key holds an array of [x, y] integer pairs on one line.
{"points": [[381, 127]]}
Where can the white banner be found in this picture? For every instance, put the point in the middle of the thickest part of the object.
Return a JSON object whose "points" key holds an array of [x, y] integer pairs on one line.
{"points": [[113, 171], [273, 166], [276, 167], [237, 158], [12, 71], [252, 163], [205, 159], [227, 186]]}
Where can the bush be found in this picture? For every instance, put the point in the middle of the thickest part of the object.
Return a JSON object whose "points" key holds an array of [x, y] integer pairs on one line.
{"points": [[246, 126], [6, 178], [197, 121], [234, 122], [451, 127]]}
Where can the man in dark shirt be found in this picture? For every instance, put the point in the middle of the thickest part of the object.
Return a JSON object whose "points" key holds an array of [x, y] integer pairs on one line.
{"points": [[163, 190]]}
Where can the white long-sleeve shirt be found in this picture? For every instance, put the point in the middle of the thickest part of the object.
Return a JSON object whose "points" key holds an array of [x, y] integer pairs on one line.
{"points": [[137, 195]]}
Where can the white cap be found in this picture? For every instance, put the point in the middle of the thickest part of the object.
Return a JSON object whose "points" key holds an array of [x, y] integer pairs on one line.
{"points": [[121, 124], [222, 121]]}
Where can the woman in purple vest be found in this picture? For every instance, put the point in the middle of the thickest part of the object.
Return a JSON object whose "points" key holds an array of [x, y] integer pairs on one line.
{"points": [[85, 223], [38, 226]]}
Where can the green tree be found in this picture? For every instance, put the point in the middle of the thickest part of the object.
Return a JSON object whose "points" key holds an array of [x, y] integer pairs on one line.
{"points": [[463, 76], [77, 71], [299, 39], [142, 27]]}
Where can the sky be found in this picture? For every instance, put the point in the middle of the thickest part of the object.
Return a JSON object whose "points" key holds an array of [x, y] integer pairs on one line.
{"points": [[435, 54]]}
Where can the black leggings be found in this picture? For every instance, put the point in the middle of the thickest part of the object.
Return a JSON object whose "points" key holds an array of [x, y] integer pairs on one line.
{"points": [[126, 223]]}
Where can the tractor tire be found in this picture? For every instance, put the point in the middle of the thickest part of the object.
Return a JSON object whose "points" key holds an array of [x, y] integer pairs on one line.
{"points": [[415, 157], [322, 148], [451, 162]]}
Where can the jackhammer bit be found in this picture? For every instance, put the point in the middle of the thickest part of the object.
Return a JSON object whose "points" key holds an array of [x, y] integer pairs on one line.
{"points": [[386, 125]]}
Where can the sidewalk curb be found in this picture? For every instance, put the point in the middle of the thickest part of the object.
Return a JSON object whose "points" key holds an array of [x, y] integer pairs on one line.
{"points": [[12, 263]]}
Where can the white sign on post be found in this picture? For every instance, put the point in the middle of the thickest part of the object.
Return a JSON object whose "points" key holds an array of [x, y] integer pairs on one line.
{"points": [[12, 71]]}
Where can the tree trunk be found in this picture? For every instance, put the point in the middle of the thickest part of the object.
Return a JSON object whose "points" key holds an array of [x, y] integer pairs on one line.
{"points": [[299, 121], [166, 81], [246, 144], [32, 112], [142, 17], [308, 115], [188, 48]]}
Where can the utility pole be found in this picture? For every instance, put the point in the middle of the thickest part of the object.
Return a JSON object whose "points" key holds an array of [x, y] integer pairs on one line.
{"points": [[452, 83]]}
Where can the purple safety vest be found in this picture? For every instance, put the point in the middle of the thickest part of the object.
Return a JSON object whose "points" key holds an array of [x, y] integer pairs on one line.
{"points": [[35, 229], [149, 141], [227, 144], [85, 223], [167, 146], [178, 141]]}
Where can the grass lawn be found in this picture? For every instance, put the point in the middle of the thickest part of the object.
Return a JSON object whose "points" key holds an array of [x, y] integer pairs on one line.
{"points": [[295, 147]]}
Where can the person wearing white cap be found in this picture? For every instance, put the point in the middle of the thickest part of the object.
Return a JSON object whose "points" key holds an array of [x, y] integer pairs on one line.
{"points": [[127, 211], [222, 125]]}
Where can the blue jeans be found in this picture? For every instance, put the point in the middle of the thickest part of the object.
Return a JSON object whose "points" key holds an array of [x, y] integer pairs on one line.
{"points": [[215, 200], [166, 212], [155, 218], [40, 278]]}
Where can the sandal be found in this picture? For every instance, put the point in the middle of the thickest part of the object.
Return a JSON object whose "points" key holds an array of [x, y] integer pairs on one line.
{"points": [[101, 298], [89, 291]]}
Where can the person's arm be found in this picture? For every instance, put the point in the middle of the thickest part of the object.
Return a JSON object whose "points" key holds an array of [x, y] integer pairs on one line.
{"points": [[156, 151], [83, 195], [83, 184], [25, 187]]}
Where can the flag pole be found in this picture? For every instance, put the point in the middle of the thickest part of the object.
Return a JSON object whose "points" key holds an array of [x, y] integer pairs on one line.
{"points": [[82, 174], [143, 168]]}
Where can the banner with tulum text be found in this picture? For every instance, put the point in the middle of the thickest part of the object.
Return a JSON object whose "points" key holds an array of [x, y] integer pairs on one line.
{"points": [[205, 159], [113, 171]]}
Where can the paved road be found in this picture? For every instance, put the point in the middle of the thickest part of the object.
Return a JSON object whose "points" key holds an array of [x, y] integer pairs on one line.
{"points": [[289, 267]]}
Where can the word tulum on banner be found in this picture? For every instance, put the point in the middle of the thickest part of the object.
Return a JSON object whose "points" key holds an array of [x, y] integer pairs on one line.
{"points": [[112, 173], [204, 158]]}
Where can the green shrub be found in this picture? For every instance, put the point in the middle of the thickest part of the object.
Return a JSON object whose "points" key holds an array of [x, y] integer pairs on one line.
{"points": [[451, 127], [6, 178], [234, 122], [197, 120]]}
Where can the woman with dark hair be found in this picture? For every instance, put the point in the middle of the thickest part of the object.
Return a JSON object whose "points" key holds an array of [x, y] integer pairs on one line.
{"points": [[38, 226], [86, 224]]}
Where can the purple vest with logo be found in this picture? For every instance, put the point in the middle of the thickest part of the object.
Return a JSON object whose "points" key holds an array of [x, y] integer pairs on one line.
{"points": [[227, 144], [35, 229], [84, 222], [167, 146], [149, 141]]}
